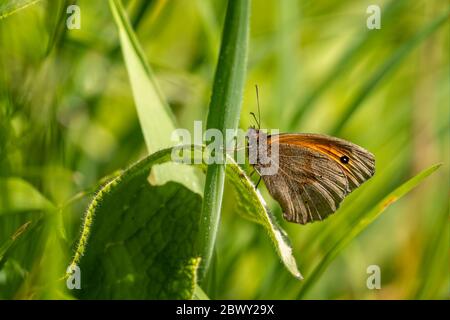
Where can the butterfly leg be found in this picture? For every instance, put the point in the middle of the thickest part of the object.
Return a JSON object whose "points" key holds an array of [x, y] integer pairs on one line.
{"points": [[256, 187]]}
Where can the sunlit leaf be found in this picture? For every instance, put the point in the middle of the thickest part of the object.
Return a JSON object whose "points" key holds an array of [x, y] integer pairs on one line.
{"points": [[252, 206]]}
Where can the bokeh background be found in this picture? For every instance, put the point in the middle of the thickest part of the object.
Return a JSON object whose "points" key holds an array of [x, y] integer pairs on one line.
{"points": [[68, 119]]}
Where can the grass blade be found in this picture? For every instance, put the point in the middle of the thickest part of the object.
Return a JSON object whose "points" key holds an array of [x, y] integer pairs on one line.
{"points": [[435, 260], [210, 27], [388, 66], [342, 63], [12, 6], [156, 119], [17, 195], [10, 242], [364, 222], [224, 110]]}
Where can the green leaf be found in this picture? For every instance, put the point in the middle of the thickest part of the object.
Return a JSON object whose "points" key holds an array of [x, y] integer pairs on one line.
{"points": [[136, 234], [224, 111], [17, 195], [10, 7], [252, 206], [365, 221], [137, 240], [156, 119]]}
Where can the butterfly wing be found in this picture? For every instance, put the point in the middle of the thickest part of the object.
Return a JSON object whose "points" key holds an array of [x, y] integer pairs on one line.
{"points": [[315, 174]]}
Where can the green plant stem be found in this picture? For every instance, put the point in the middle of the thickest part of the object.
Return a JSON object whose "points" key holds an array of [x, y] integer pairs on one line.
{"points": [[224, 111]]}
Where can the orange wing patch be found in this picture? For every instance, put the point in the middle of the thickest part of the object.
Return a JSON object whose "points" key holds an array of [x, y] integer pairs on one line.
{"points": [[311, 143], [359, 164]]}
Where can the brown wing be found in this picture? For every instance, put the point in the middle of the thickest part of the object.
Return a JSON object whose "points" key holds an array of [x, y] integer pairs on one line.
{"points": [[315, 174]]}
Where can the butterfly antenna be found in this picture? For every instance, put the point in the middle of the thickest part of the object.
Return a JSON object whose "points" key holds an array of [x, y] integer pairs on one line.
{"points": [[259, 111], [254, 117]]}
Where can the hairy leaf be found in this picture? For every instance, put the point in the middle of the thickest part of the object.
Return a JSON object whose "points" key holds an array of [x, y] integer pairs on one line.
{"points": [[137, 240]]}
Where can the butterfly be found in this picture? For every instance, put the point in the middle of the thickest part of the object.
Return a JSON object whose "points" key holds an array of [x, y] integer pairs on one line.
{"points": [[314, 172]]}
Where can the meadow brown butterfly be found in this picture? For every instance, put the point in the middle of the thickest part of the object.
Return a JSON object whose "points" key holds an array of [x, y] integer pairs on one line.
{"points": [[314, 173]]}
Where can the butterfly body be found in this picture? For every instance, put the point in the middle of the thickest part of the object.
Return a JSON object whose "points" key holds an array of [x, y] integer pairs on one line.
{"points": [[314, 172]]}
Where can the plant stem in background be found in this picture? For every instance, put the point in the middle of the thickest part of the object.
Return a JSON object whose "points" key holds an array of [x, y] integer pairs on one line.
{"points": [[224, 111]]}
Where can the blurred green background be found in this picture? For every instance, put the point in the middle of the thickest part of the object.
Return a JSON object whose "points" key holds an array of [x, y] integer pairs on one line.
{"points": [[68, 119]]}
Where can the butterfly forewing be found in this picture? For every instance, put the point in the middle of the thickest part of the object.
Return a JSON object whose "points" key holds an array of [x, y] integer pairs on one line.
{"points": [[360, 164]]}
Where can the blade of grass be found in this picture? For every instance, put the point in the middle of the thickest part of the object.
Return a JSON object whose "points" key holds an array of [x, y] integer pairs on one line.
{"points": [[365, 221], [156, 119], [286, 43], [210, 26], [435, 259], [140, 12], [10, 242], [56, 24], [342, 63], [12, 6], [224, 110], [387, 67], [17, 195]]}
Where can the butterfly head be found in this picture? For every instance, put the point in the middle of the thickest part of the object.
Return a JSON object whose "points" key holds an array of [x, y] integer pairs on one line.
{"points": [[252, 133]]}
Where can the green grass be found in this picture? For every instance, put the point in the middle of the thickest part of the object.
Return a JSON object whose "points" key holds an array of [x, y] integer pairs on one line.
{"points": [[78, 108], [224, 112], [365, 220]]}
